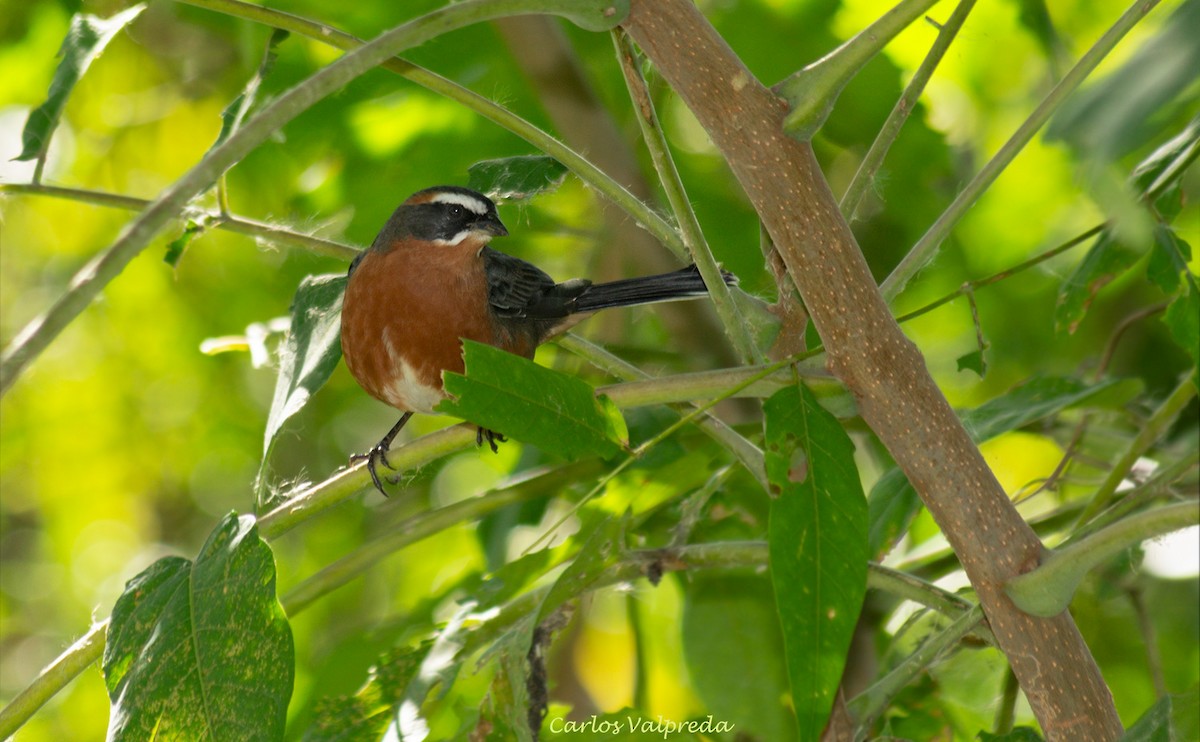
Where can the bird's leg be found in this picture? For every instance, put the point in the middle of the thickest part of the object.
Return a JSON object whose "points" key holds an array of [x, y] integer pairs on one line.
{"points": [[379, 453], [492, 438]]}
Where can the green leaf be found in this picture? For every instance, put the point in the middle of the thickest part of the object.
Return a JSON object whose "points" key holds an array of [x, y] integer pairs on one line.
{"points": [[1166, 165], [973, 361], [1183, 319], [86, 39], [731, 631], [516, 178], [817, 538], [551, 410], [1168, 260], [1107, 259], [602, 549], [891, 506], [439, 666], [1173, 717], [176, 247], [364, 717], [504, 712], [510, 692], [202, 650], [1122, 111], [308, 356], [235, 112], [1038, 398]]}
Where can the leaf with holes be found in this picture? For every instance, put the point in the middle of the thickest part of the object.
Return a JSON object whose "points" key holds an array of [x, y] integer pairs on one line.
{"points": [[817, 538], [202, 650], [974, 361], [1107, 260]]}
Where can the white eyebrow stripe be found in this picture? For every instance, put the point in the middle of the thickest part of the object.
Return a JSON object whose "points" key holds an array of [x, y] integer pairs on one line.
{"points": [[467, 202]]}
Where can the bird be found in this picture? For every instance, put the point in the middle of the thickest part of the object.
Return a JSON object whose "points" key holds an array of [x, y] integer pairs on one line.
{"points": [[430, 279]]}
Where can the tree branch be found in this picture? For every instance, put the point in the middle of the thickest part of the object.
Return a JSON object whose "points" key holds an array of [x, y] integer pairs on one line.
{"points": [[886, 373]]}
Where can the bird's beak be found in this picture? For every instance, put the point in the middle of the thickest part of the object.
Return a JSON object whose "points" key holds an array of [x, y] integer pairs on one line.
{"points": [[491, 226]]}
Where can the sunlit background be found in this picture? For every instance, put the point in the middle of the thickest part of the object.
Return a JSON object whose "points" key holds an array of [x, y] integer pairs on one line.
{"points": [[124, 442]]}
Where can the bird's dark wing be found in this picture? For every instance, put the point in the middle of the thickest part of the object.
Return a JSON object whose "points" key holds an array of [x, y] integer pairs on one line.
{"points": [[517, 289]]}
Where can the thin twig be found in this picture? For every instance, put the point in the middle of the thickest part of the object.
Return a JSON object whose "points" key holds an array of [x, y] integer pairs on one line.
{"points": [[890, 130], [229, 223], [736, 328], [926, 248]]}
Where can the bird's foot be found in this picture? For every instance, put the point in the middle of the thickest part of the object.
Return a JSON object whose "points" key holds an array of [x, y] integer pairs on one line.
{"points": [[377, 455], [492, 438]]}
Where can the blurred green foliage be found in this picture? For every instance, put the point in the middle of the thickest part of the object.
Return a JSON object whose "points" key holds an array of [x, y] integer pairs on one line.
{"points": [[124, 443]]}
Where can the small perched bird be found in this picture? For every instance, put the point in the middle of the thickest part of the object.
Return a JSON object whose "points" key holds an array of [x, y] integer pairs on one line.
{"points": [[429, 280]]}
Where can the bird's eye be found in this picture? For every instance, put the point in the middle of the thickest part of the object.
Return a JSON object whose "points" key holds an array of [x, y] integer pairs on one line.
{"points": [[456, 211]]}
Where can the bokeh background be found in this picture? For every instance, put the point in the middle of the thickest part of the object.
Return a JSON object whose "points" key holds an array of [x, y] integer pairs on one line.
{"points": [[125, 442]]}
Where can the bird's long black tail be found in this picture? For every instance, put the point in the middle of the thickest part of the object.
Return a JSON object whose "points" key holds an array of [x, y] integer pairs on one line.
{"points": [[681, 284]]}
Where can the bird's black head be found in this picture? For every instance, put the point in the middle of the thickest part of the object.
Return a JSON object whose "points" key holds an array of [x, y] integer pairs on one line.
{"points": [[444, 215]]}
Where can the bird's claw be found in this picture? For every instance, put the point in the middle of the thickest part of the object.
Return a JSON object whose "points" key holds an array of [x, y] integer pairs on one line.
{"points": [[375, 456], [492, 438]]}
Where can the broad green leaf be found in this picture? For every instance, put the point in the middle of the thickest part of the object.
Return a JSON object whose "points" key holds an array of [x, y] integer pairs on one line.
{"points": [[86, 39], [235, 112], [893, 501], [891, 506], [1183, 319], [309, 354], [817, 539], [516, 178], [1038, 398], [1107, 259], [202, 650], [365, 716], [735, 654], [1168, 260], [551, 410]]}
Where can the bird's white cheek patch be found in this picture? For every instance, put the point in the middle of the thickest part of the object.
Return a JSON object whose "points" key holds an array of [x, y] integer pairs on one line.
{"points": [[478, 234]]}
